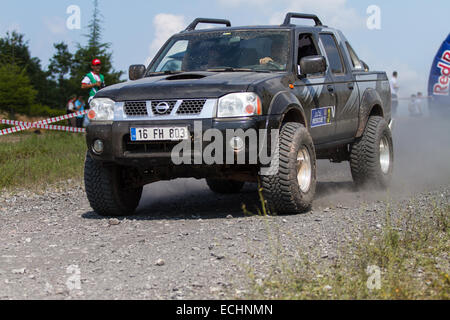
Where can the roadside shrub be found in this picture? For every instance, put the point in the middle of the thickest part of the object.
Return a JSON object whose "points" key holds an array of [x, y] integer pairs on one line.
{"points": [[44, 111]]}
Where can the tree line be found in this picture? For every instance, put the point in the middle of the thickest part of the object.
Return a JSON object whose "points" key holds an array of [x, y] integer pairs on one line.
{"points": [[26, 88]]}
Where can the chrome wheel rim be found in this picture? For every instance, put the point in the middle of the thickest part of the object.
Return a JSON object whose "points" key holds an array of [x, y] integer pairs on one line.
{"points": [[304, 169], [385, 155]]}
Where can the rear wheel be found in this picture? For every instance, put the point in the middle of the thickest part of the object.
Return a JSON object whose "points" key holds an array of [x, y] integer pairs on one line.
{"points": [[372, 156], [225, 186], [107, 191], [292, 189]]}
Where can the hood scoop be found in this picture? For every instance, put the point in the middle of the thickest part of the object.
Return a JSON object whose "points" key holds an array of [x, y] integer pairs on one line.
{"points": [[186, 76]]}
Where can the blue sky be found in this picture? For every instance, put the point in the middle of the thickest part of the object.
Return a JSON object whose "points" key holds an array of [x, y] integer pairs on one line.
{"points": [[411, 31]]}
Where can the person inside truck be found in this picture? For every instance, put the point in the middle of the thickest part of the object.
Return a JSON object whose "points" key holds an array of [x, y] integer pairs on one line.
{"points": [[306, 48], [278, 55]]}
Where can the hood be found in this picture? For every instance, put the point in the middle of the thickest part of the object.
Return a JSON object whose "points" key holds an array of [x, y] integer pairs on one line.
{"points": [[189, 85]]}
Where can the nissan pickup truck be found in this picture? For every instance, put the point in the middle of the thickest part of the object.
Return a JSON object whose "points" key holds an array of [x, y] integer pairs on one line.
{"points": [[301, 90]]}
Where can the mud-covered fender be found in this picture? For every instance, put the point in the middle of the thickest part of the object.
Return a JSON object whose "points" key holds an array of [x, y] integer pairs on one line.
{"points": [[370, 100], [285, 102]]}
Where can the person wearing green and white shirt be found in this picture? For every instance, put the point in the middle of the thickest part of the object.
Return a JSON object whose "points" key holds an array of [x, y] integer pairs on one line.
{"points": [[93, 81]]}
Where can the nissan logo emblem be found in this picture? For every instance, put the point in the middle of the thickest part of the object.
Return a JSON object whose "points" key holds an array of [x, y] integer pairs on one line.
{"points": [[162, 108]]}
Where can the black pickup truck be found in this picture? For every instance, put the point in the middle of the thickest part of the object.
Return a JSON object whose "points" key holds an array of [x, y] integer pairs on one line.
{"points": [[214, 101]]}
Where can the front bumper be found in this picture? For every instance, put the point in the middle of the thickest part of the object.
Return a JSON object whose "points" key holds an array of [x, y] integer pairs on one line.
{"points": [[118, 147]]}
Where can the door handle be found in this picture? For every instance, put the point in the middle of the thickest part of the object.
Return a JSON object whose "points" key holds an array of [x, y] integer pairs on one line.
{"points": [[330, 88], [351, 86]]}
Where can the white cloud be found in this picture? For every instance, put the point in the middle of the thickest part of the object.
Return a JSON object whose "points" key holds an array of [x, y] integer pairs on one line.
{"points": [[166, 25], [335, 13], [237, 3], [56, 25], [412, 79]]}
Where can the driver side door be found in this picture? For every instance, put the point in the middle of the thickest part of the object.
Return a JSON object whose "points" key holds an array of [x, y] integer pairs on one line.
{"points": [[316, 93]]}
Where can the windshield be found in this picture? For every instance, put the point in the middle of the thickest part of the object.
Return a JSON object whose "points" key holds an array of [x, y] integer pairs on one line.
{"points": [[225, 51]]}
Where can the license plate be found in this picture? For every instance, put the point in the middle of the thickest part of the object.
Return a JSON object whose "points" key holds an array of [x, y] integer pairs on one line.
{"points": [[160, 134]]}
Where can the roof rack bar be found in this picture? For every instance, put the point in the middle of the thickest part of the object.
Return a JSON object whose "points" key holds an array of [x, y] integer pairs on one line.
{"points": [[194, 24], [291, 15]]}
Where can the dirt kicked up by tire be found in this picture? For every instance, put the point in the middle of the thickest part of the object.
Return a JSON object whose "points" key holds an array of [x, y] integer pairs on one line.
{"points": [[292, 189], [106, 191], [372, 156]]}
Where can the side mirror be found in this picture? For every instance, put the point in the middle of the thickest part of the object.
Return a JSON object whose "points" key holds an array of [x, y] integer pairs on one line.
{"points": [[365, 66], [312, 65], [136, 71]]}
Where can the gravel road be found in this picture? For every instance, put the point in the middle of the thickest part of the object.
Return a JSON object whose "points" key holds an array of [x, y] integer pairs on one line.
{"points": [[186, 242]]}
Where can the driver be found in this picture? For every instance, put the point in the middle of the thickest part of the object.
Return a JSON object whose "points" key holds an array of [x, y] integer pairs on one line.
{"points": [[278, 56]]}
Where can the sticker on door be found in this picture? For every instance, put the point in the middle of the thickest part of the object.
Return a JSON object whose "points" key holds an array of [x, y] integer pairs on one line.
{"points": [[322, 116]]}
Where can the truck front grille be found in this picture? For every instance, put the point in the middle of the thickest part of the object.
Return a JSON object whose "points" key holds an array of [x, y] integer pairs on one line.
{"points": [[191, 107], [160, 108], [136, 108], [163, 108]]}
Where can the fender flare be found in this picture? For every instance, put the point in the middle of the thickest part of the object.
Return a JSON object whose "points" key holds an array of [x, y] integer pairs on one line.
{"points": [[282, 103], [371, 99]]}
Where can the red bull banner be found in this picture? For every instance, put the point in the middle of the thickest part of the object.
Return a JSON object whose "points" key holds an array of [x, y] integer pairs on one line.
{"points": [[439, 82]]}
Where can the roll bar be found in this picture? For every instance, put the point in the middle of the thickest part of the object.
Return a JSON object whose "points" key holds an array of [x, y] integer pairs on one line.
{"points": [[194, 24], [292, 15]]}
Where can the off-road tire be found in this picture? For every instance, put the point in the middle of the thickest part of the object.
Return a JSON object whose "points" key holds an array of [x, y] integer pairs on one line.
{"points": [[365, 159], [282, 190], [225, 186], [106, 192]]}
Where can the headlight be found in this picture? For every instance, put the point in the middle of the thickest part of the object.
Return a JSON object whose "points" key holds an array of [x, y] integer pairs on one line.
{"points": [[102, 109], [239, 105]]}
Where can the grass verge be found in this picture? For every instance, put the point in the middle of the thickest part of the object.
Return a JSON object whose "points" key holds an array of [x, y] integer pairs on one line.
{"points": [[36, 160], [407, 259]]}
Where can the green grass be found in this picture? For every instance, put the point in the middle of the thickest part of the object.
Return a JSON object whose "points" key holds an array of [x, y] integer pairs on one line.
{"points": [[411, 252], [28, 159]]}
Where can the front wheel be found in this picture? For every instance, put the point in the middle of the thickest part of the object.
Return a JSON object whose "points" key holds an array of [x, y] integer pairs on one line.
{"points": [[107, 191], [292, 188], [372, 156]]}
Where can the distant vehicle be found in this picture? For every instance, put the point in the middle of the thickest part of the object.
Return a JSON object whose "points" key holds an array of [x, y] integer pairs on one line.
{"points": [[305, 81]]}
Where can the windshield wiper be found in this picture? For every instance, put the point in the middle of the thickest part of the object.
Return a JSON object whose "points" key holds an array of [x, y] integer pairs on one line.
{"points": [[230, 69], [162, 73]]}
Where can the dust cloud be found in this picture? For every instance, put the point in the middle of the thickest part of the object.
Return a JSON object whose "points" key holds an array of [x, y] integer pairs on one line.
{"points": [[422, 164]]}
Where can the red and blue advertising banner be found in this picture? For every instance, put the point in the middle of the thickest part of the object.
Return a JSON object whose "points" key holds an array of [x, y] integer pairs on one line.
{"points": [[439, 83]]}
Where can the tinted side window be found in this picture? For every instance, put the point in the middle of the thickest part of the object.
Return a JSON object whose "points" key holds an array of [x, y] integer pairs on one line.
{"points": [[306, 47], [333, 53]]}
